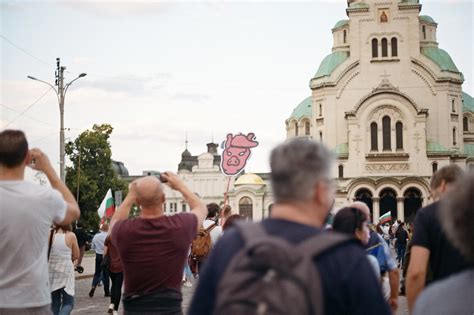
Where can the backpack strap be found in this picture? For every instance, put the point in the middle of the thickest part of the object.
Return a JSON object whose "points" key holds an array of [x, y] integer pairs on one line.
{"points": [[322, 242], [209, 229]]}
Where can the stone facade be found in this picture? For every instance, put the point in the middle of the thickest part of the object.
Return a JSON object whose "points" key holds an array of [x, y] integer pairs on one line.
{"points": [[389, 103]]}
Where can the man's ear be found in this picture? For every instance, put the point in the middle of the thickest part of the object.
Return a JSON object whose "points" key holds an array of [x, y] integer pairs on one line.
{"points": [[27, 159], [163, 198]]}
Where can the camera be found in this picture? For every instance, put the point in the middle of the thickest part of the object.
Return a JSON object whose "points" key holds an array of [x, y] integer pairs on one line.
{"points": [[161, 178], [79, 269]]}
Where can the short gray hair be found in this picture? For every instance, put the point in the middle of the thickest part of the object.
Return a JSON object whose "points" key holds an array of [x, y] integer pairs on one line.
{"points": [[297, 166], [457, 216]]}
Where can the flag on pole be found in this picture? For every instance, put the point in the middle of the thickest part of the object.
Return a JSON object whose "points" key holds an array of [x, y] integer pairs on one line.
{"points": [[386, 217], [107, 207]]}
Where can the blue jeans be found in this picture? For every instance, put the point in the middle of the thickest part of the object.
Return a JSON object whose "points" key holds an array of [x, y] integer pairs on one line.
{"points": [[62, 303], [401, 252]]}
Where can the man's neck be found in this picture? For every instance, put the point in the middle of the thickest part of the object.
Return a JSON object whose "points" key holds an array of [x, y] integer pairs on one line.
{"points": [[298, 212], [151, 213], [16, 173]]}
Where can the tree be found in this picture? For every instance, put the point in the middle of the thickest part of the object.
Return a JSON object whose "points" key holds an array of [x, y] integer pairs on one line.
{"points": [[91, 174]]}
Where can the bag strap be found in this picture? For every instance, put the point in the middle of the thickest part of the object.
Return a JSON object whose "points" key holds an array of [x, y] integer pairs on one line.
{"points": [[209, 229], [321, 242], [50, 243]]}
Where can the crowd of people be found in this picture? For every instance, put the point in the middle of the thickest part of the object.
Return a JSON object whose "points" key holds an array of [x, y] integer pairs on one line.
{"points": [[294, 262]]}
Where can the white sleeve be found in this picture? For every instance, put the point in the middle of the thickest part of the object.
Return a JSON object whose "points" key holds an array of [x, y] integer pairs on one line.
{"points": [[57, 206]]}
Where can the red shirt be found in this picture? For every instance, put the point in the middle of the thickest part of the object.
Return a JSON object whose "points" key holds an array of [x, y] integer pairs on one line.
{"points": [[115, 263], [153, 251]]}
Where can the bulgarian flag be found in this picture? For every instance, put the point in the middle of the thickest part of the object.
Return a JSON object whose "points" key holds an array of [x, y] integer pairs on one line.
{"points": [[107, 207], [387, 217]]}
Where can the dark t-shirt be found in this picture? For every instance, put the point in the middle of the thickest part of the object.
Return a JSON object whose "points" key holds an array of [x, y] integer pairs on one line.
{"points": [[402, 236], [81, 237], [444, 260], [349, 282], [153, 251], [115, 265]]}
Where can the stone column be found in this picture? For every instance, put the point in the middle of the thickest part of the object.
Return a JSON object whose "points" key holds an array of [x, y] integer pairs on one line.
{"points": [[376, 209], [400, 209]]}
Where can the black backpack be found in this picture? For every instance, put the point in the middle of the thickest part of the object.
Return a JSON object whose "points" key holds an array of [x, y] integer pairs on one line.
{"points": [[269, 275]]}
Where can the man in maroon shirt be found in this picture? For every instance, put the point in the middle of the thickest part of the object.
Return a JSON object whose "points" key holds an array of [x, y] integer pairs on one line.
{"points": [[153, 247]]}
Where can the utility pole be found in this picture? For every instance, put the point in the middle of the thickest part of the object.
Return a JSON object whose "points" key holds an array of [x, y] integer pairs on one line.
{"points": [[61, 94], [60, 85]]}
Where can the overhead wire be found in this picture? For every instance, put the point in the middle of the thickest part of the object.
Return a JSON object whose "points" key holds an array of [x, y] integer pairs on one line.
{"points": [[27, 116], [28, 108], [25, 51]]}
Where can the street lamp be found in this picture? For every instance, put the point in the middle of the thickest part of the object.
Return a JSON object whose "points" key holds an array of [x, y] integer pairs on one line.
{"points": [[61, 94]]}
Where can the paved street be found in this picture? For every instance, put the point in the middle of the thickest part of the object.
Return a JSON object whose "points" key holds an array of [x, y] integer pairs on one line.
{"points": [[99, 304]]}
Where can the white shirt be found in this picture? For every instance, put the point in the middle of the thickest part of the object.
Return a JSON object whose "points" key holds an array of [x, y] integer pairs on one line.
{"points": [[216, 232], [98, 242], [27, 211]]}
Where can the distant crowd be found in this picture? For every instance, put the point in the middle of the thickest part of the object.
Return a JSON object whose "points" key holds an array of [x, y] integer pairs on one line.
{"points": [[298, 261]]}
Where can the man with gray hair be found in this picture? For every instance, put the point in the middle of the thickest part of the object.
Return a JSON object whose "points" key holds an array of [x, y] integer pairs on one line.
{"points": [[303, 193], [454, 294]]}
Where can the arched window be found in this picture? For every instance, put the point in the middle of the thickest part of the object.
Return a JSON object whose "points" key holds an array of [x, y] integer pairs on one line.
{"points": [[453, 106], [246, 207], [384, 47], [423, 29], [454, 136], [465, 124], [341, 171], [387, 145], [375, 48], [321, 136], [434, 167], [373, 137], [345, 36], [306, 128], [296, 129], [320, 110], [394, 47], [399, 135]]}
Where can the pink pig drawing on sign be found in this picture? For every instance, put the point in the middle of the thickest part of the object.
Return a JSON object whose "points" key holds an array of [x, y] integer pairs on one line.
{"points": [[237, 152]]}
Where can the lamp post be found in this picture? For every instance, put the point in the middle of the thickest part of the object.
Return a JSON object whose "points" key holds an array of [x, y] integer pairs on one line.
{"points": [[61, 94]]}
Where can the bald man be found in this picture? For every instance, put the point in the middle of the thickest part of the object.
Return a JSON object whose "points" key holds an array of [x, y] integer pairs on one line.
{"points": [[388, 267], [153, 247]]}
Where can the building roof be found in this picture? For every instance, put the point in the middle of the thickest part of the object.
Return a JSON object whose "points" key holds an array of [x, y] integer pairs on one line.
{"points": [[341, 23], [330, 63], [469, 149], [358, 5], [427, 19], [342, 148], [249, 179], [433, 146], [441, 58], [410, 1], [467, 103], [303, 109], [119, 168]]}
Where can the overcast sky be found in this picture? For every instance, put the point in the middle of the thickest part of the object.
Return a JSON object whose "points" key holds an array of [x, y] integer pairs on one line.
{"points": [[159, 70]]}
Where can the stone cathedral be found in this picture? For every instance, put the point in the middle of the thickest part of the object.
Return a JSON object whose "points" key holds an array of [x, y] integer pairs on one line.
{"points": [[388, 101]]}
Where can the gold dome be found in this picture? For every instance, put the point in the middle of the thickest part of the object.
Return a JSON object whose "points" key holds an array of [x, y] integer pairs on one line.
{"points": [[249, 179]]}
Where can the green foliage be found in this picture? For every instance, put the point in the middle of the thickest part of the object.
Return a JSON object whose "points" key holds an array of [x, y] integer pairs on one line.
{"points": [[91, 174]]}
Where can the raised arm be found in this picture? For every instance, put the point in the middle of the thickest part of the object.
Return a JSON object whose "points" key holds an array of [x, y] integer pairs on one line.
{"points": [[198, 207], [42, 163], [124, 209]]}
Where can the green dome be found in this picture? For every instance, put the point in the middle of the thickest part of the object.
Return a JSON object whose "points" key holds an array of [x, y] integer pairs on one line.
{"points": [[467, 103], [427, 19], [341, 23], [330, 63], [441, 58], [303, 109], [358, 5], [410, 1]]}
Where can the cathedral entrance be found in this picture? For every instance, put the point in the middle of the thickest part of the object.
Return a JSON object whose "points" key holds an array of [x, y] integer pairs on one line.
{"points": [[365, 196], [411, 203], [388, 202], [246, 208]]}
